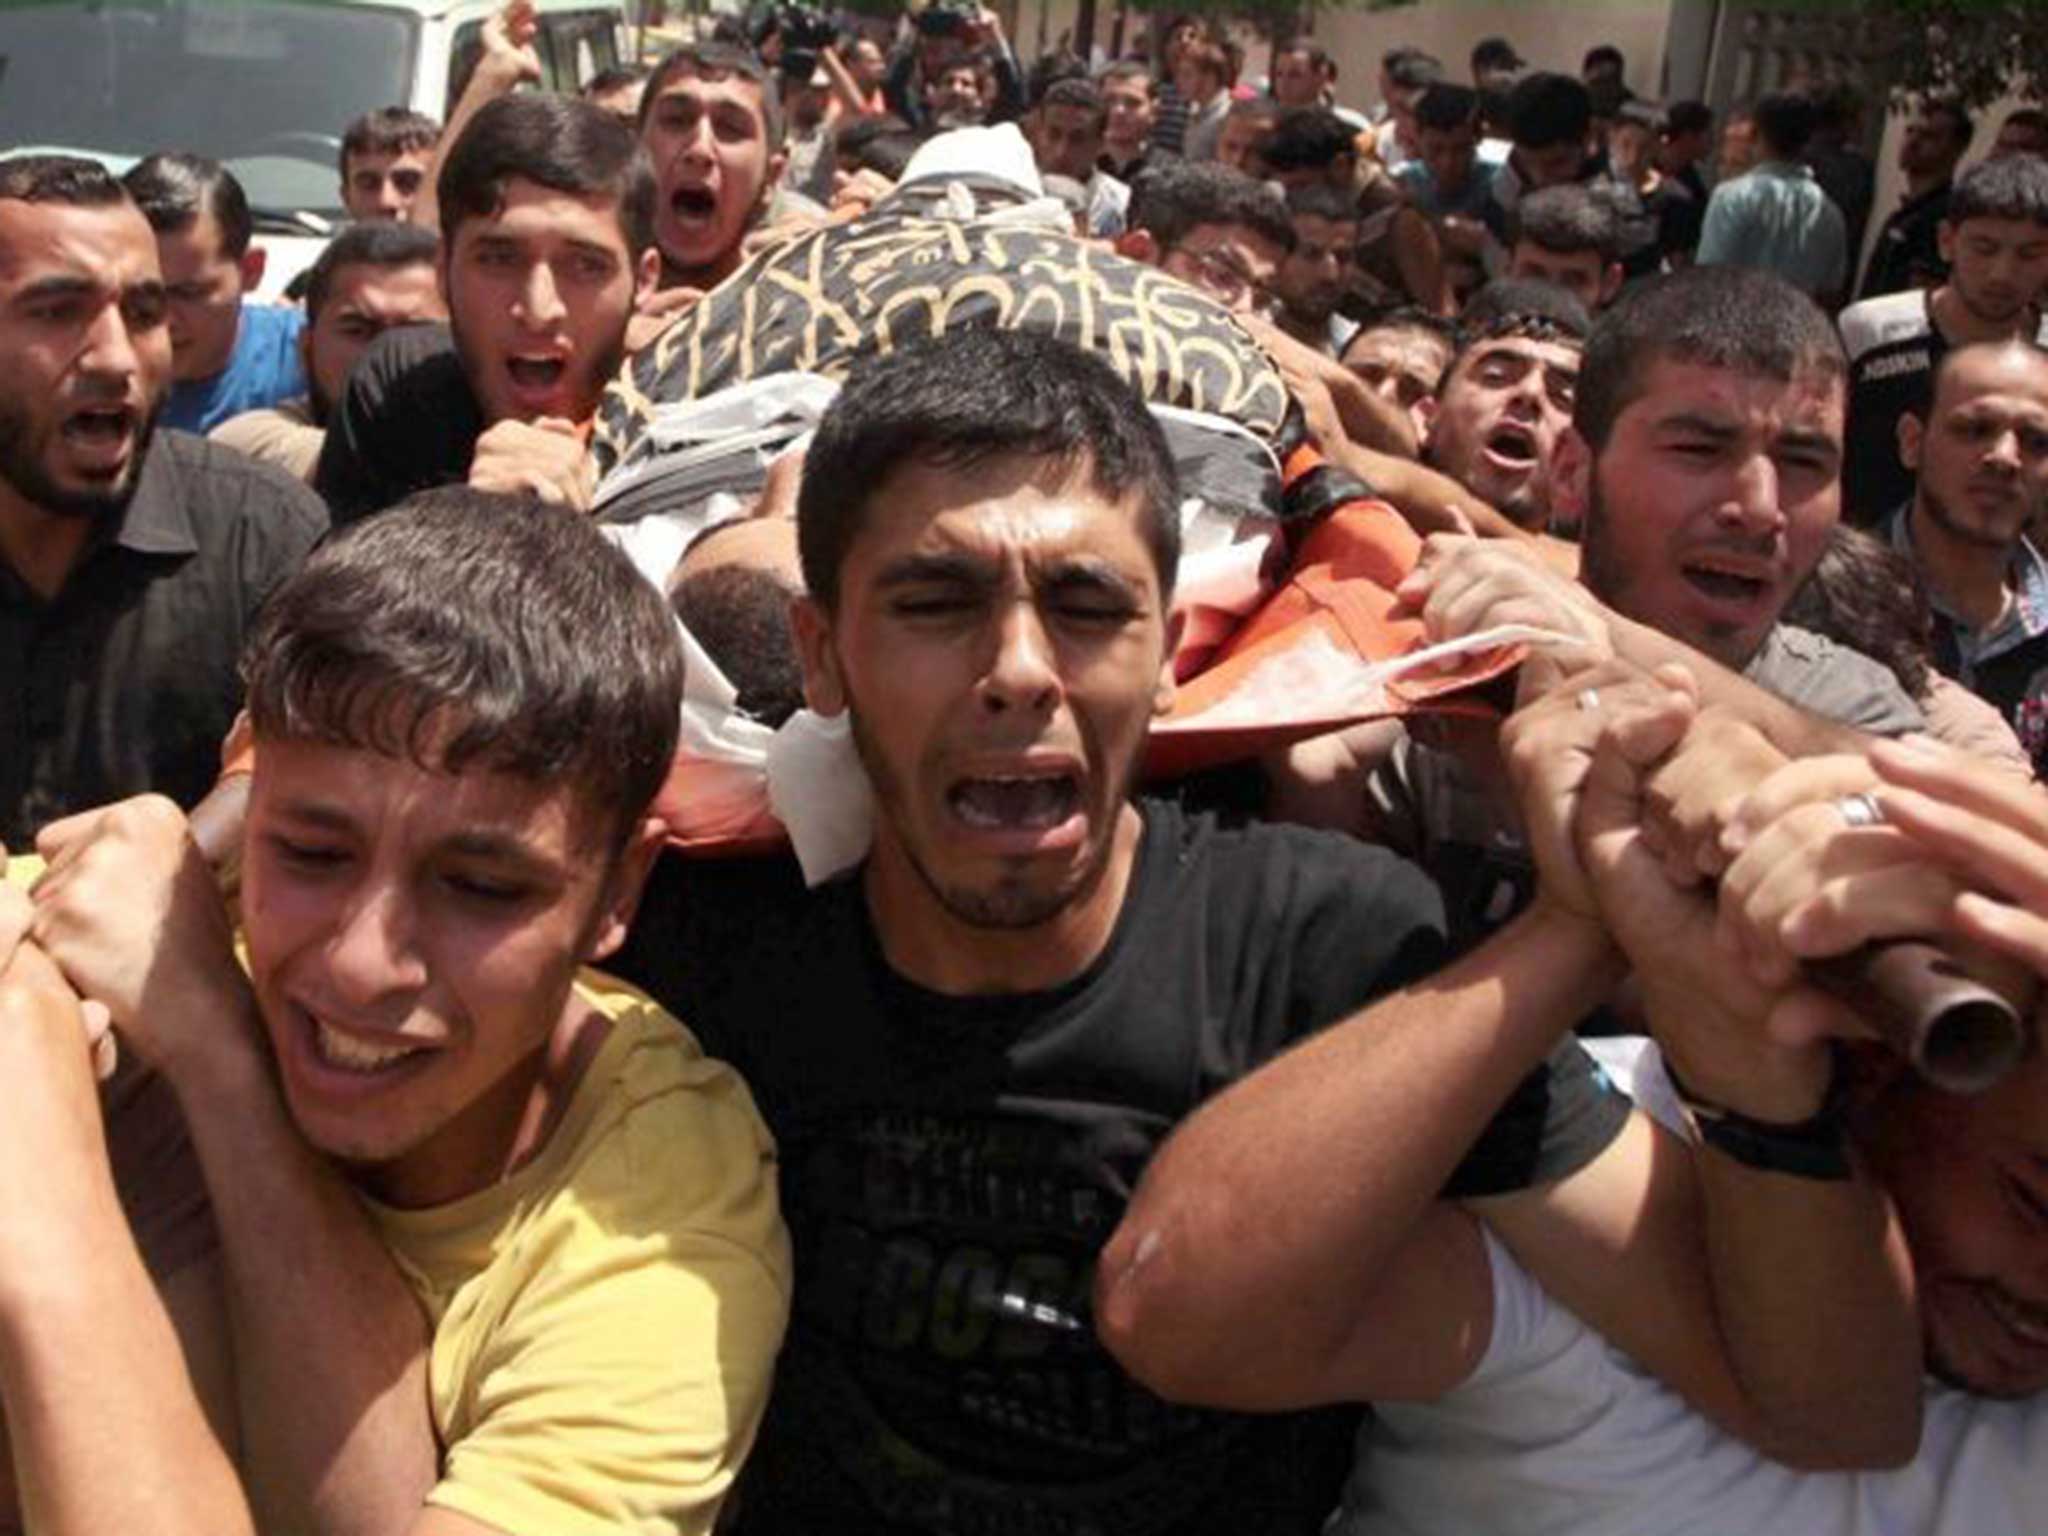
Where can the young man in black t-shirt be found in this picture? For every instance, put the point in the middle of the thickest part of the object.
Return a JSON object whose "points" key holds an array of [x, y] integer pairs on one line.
{"points": [[970, 1047], [547, 207]]}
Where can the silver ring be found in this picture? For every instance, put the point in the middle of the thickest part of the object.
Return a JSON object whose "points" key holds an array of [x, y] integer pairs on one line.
{"points": [[1589, 698], [1860, 810]]}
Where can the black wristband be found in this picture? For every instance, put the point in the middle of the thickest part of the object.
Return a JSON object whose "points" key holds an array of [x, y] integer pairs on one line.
{"points": [[1814, 1148]]}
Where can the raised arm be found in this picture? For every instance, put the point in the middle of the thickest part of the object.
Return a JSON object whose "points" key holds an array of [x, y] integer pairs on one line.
{"points": [[106, 1429], [330, 1347], [1770, 1287]]}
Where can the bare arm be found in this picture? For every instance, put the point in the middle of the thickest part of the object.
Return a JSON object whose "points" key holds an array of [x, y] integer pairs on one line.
{"points": [[335, 1425], [1779, 1302], [106, 1430], [1241, 1268], [508, 61]]}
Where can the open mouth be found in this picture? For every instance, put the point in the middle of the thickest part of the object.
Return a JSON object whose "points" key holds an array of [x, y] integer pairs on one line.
{"points": [[357, 1054], [1513, 447], [1727, 580], [536, 374], [1034, 803], [99, 427], [694, 204]]}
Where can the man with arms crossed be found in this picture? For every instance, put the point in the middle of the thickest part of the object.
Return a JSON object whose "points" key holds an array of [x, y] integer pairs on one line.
{"points": [[417, 1100]]}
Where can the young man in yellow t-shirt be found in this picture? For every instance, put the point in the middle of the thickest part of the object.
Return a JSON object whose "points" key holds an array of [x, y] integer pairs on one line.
{"points": [[502, 1246]]}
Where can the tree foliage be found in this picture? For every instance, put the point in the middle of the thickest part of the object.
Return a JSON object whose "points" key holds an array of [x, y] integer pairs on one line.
{"points": [[1977, 50]]}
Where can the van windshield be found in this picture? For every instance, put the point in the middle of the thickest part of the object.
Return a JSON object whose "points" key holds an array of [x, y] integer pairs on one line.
{"points": [[266, 86]]}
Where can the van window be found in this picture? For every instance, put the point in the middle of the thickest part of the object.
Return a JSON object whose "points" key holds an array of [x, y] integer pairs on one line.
{"points": [[121, 78]]}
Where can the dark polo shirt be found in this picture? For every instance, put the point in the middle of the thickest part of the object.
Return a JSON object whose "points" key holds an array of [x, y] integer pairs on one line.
{"points": [[125, 682]]}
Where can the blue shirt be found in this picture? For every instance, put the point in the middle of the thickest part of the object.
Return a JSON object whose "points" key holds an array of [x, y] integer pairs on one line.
{"points": [[1777, 218], [263, 369]]}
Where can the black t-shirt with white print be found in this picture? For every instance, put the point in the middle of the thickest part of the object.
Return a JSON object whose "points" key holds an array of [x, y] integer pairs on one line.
{"points": [[952, 1166]]}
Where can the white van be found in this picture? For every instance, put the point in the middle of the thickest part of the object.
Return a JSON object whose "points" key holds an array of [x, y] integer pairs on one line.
{"points": [[265, 86]]}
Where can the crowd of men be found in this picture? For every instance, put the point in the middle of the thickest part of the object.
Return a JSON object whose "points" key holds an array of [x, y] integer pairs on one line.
{"points": [[1438, 1123]]}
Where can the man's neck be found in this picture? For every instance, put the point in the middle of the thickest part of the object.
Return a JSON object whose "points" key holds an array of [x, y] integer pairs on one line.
{"points": [[1969, 578], [1920, 185], [1121, 155], [498, 1134], [706, 277], [42, 548], [929, 946], [1959, 326]]}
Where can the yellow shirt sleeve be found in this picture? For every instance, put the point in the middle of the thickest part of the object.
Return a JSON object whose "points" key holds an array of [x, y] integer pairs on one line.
{"points": [[608, 1369]]}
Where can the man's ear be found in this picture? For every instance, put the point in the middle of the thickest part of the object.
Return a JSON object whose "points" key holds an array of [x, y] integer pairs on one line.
{"points": [[443, 274], [1610, 282], [1571, 477], [252, 264], [1138, 245], [1945, 242], [645, 281], [1425, 408], [629, 878], [824, 682], [1912, 433], [1163, 690]]}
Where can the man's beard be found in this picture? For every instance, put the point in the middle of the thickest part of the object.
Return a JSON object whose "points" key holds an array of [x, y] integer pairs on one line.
{"points": [[1006, 906], [1937, 510], [21, 467]]}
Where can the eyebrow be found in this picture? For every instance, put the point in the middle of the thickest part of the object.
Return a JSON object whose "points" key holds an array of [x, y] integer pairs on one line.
{"points": [[911, 570], [56, 288], [498, 846]]}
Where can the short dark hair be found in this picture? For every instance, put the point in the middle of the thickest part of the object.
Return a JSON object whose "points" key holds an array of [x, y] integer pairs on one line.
{"points": [[558, 142], [1683, 117], [741, 617], [1411, 69], [1076, 91], [1567, 220], [718, 58], [616, 78], [1129, 69], [1447, 105], [963, 399], [383, 243], [1738, 318], [71, 180], [1320, 200], [1516, 306], [2008, 187], [1785, 120], [1050, 69], [1308, 139], [1547, 109], [1211, 55], [1318, 56], [1409, 317], [1867, 595], [1640, 112], [388, 131], [1494, 53], [1602, 53], [881, 143], [1172, 199], [468, 629], [175, 190]]}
